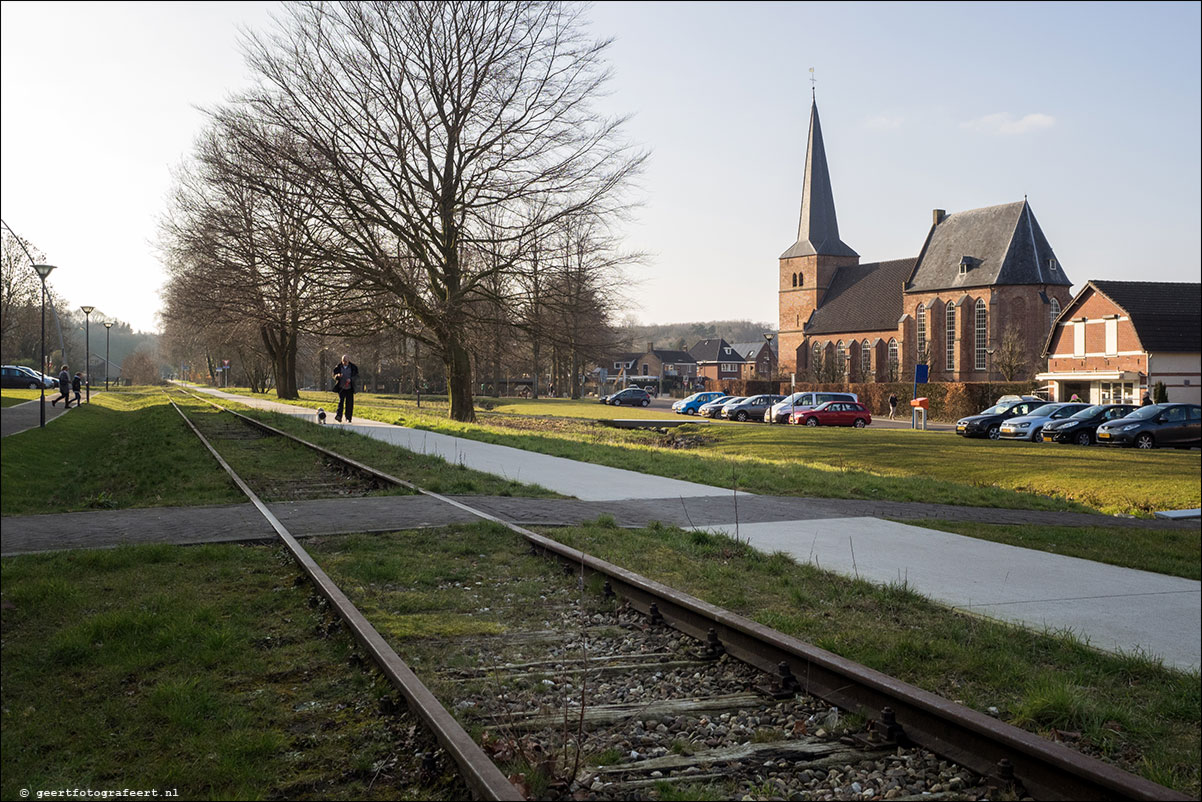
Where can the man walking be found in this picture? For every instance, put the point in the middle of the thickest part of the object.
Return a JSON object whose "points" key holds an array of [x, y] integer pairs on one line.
{"points": [[345, 374], [64, 388], [892, 405]]}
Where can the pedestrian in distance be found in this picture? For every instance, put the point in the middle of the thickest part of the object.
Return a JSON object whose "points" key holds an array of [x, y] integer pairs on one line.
{"points": [[892, 405], [1075, 397], [64, 389], [345, 374], [1147, 400], [76, 386]]}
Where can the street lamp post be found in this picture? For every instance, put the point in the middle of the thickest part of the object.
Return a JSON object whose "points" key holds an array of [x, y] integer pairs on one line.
{"points": [[768, 339], [989, 373], [43, 271], [108, 326], [87, 350]]}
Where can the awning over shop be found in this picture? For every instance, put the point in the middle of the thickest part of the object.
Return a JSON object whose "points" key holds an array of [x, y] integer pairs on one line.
{"points": [[1091, 375]]}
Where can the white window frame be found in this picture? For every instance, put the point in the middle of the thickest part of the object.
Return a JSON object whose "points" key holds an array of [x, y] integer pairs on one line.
{"points": [[950, 332], [981, 334], [1112, 336]]}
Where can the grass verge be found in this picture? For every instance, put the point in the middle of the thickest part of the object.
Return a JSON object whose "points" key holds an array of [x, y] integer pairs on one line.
{"points": [[125, 449], [1174, 552], [1127, 709], [215, 679]]}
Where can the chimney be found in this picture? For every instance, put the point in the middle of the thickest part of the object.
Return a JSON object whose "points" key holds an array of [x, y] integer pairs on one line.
{"points": [[650, 347], [938, 216]]}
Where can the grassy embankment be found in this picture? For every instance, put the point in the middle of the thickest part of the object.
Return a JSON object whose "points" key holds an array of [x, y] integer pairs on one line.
{"points": [[199, 669], [889, 464]]}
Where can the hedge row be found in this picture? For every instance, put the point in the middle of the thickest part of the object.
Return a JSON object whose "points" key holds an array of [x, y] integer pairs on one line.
{"points": [[948, 400]]}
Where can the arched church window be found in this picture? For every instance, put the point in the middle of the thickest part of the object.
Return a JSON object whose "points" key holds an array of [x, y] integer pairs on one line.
{"points": [[1053, 312], [981, 334], [894, 366], [794, 279], [841, 357], [950, 333], [920, 353], [865, 360]]}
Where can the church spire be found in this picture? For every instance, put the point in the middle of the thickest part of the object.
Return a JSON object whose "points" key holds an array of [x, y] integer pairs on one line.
{"points": [[818, 231]]}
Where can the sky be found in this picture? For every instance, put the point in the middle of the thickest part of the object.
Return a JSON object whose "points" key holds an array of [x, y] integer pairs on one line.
{"points": [[1090, 110]]}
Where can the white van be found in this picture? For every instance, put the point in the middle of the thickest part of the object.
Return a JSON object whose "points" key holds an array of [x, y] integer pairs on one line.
{"points": [[800, 402]]}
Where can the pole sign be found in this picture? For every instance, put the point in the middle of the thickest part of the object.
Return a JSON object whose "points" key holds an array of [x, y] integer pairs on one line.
{"points": [[920, 377]]}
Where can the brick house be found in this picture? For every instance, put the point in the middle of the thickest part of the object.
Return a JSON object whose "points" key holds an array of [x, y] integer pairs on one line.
{"points": [[980, 275], [1116, 339], [717, 361], [677, 365], [759, 359]]}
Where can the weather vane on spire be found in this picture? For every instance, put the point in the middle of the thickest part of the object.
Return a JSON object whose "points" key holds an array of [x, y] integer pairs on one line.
{"points": [[813, 80]]}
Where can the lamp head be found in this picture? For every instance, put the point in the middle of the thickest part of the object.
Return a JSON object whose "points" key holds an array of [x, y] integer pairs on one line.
{"points": [[87, 310], [43, 271], [768, 336], [108, 324]]}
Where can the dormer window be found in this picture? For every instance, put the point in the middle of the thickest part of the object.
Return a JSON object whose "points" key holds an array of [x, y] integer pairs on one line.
{"points": [[1052, 265], [965, 265]]}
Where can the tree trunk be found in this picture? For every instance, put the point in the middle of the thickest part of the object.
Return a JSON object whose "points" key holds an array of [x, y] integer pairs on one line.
{"points": [[459, 380]]}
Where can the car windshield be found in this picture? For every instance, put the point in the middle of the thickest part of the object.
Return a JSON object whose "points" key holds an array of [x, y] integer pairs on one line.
{"points": [[1089, 412], [720, 400], [996, 409], [736, 400], [1143, 413]]}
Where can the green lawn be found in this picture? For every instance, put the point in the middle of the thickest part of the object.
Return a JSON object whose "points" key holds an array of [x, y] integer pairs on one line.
{"points": [[11, 396], [893, 464], [202, 669]]}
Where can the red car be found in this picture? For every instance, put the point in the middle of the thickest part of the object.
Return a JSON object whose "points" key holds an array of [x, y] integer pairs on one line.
{"points": [[835, 413]]}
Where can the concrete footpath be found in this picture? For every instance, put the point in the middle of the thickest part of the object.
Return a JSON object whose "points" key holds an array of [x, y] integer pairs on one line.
{"points": [[1112, 608]]}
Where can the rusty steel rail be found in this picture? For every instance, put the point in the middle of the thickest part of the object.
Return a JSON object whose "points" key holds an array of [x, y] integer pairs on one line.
{"points": [[478, 771], [1044, 769]]}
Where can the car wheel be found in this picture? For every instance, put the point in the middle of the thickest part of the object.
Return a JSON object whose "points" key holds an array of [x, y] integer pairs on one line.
{"points": [[32, 386], [995, 432], [646, 402], [1083, 438], [690, 412], [742, 416], [860, 423], [1145, 440], [811, 421], [1035, 434]]}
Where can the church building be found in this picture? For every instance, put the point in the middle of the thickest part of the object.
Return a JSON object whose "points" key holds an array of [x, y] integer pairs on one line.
{"points": [[983, 277]]}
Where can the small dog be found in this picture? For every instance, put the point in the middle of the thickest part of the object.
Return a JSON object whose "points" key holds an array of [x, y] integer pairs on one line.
{"points": [[321, 415]]}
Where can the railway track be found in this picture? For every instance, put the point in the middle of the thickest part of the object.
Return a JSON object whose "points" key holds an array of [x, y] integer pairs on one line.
{"points": [[614, 685]]}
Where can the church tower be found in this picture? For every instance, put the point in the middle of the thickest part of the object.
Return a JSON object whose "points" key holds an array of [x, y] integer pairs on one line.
{"points": [[809, 265]]}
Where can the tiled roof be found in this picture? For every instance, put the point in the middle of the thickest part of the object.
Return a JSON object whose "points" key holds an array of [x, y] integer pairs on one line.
{"points": [[714, 350], [862, 298], [673, 357], [1165, 313], [749, 351], [1003, 245]]}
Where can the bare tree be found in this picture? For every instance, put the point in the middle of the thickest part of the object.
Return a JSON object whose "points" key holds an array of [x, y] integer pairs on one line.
{"points": [[1012, 359], [19, 299], [443, 133]]}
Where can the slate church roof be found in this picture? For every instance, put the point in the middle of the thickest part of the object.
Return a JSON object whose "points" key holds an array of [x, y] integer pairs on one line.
{"points": [[862, 298], [1001, 245]]}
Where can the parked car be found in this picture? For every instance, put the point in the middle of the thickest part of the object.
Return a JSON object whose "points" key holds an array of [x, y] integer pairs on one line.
{"points": [[1177, 425], [1030, 427], [1079, 427], [690, 405], [19, 376], [630, 397], [714, 408], [988, 423], [834, 413], [752, 407], [782, 411]]}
